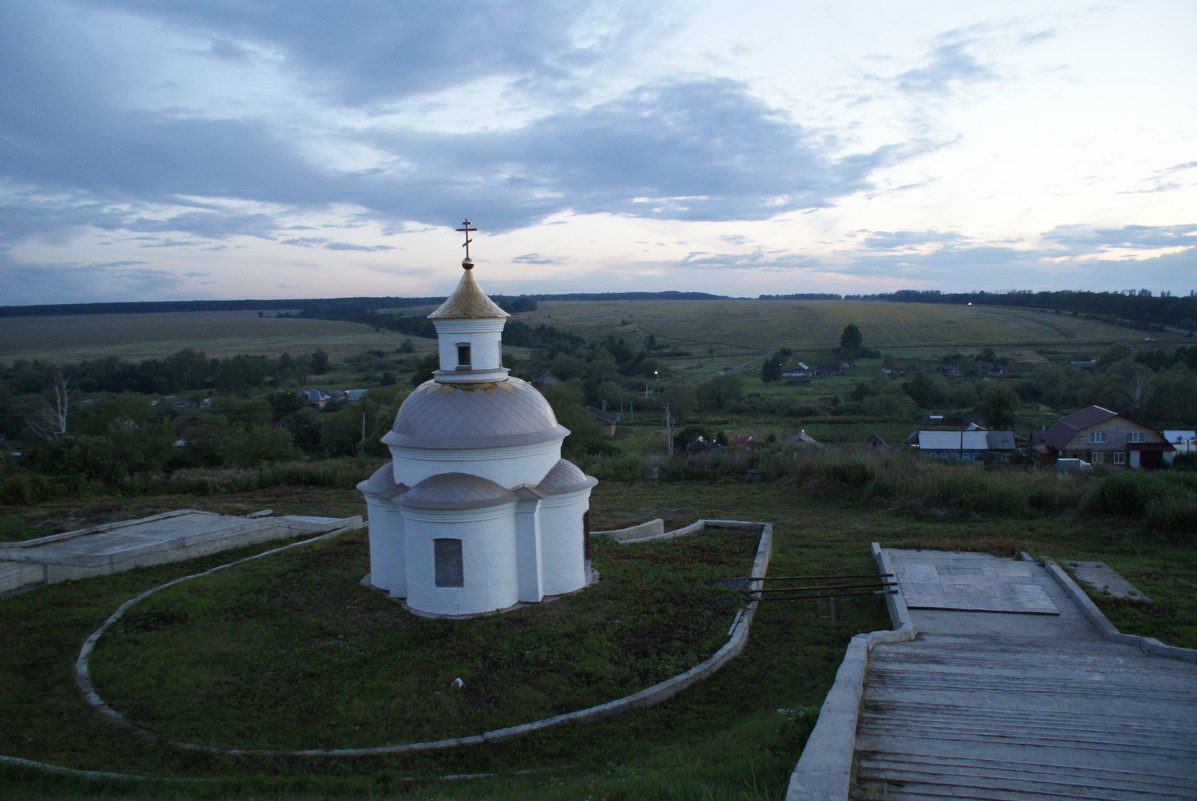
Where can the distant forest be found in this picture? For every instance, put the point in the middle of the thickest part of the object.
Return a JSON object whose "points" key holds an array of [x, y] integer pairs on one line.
{"points": [[1135, 306]]}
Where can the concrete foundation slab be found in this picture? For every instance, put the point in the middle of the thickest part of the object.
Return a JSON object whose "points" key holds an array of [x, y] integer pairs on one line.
{"points": [[168, 537], [945, 581], [1104, 579]]}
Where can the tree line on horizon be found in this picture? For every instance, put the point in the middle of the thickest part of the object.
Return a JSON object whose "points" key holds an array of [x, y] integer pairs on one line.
{"points": [[1139, 306]]}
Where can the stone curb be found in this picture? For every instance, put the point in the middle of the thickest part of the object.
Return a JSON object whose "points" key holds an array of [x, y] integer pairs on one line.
{"points": [[654, 527], [650, 696], [824, 771]]}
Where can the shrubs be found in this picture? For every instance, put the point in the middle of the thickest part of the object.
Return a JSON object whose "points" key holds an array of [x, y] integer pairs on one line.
{"points": [[1165, 502]]}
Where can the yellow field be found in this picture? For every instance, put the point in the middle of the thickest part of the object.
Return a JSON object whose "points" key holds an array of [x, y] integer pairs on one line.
{"points": [[73, 338]]}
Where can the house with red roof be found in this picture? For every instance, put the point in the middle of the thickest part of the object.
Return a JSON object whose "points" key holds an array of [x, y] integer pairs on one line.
{"points": [[1100, 436]]}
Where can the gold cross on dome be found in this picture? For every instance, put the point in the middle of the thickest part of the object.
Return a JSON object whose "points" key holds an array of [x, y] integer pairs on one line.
{"points": [[466, 230]]}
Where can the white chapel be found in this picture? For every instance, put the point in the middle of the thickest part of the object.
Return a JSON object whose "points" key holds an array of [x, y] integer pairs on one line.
{"points": [[477, 511]]}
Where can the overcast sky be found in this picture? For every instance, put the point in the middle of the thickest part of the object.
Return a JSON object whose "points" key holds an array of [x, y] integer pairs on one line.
{"points": [[194, 149]]}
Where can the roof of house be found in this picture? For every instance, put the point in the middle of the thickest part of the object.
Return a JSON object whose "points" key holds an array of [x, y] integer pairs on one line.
{"points": [[604, 417], [1066, 428], [1174, 435], [966, 440]]}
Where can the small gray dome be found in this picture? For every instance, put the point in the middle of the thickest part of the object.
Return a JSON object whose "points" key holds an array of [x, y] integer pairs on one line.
{"points": [[382, 484], [456, 491], [564, 477], [490, 415]]}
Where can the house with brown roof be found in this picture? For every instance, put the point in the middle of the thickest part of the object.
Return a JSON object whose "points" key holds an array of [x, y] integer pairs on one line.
{"points": [[1100, 436]]}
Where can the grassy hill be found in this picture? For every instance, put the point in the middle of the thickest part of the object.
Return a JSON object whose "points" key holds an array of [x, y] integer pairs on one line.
{"points": [[74, 338], [719, 328], [731, 329]]}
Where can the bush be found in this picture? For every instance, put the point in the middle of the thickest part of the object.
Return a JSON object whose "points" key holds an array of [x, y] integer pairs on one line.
{"points": [[1124, 494]]}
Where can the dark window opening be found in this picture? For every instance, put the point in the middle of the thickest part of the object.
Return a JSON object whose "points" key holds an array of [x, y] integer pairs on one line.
{"points": [[586, 534], [463, 356], [450, 571]]}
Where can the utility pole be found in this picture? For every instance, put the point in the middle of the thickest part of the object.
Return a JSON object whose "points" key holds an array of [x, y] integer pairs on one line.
{"points": [[668, 430]]}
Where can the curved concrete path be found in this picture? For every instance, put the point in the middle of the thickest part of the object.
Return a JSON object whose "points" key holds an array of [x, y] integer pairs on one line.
{"points": [[1010, 706]]}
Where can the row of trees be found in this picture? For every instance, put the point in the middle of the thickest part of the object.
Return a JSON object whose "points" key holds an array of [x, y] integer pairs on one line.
{"points": [[185, 371]]}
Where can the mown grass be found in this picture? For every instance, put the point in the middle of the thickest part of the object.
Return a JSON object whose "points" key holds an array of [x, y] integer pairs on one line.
{"points": [[218, 660], [724, 738]]}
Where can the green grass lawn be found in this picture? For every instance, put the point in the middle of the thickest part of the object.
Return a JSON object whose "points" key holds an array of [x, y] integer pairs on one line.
{"points": [[724, 738]]}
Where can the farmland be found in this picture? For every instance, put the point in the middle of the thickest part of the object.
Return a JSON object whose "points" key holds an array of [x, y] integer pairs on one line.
{"points": [[755, 324], [721, 333], [133, 337]]}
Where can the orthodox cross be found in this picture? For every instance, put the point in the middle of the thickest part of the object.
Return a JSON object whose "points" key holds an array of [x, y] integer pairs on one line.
{"points": [[466, 230]]}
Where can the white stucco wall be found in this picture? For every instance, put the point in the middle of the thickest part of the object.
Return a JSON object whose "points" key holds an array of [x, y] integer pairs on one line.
{"points": [[388, 562], [484, 337], [562, 544], [507, 466], [488, 540]]}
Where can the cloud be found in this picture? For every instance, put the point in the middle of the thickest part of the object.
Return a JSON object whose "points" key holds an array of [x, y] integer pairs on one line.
{"points": [[756, 260], [88, 283], [364, 52], [349, 246], [1089, 238], [694, 149], [891, 240], [533, 258], [951, 65]]}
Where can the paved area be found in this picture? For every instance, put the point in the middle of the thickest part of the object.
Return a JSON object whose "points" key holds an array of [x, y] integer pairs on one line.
{"points": [[1102, 578], [1005, 706], [168, 537]]}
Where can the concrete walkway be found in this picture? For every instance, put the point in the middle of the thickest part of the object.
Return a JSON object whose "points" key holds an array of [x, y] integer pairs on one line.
{"points": [[168, 537], [1029, 703]]}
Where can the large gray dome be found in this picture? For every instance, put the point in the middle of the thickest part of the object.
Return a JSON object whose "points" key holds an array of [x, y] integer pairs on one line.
{"points": [[491, 415]]}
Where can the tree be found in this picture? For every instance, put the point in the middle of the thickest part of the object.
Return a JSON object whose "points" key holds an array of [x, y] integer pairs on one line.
{"points": [[851, 340], [998, 406], [319, 360], [50, 417], [721, 391], [681, 399], [926, 391], [585, 435], [771, 369], [1139, 388]]}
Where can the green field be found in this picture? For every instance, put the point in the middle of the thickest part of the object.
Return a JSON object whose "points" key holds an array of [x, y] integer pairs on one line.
{"points": [[719, 333], [725, 332], [133, 337]]}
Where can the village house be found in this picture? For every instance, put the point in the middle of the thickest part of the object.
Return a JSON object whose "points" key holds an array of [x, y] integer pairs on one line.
{"points": [[607, 420], [971, 445], [802, 438], [1100, 436], [1183, 441]]}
